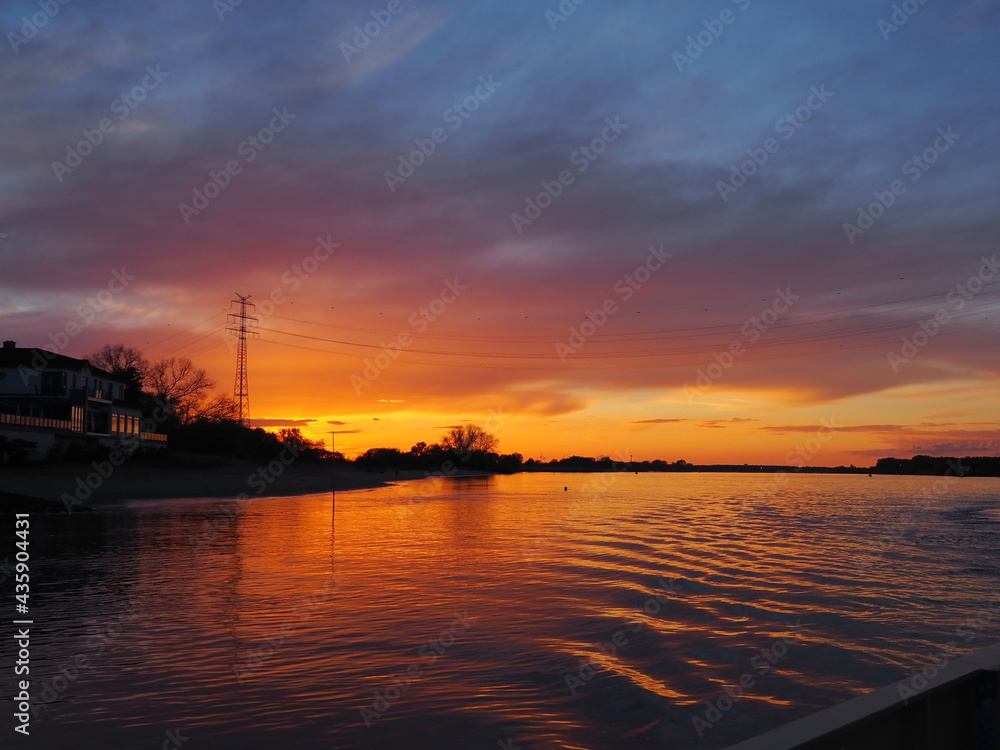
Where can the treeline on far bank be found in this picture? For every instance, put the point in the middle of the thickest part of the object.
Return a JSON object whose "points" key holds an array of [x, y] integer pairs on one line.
{"points": [[976, 466], [467, 448], [970, 466]]}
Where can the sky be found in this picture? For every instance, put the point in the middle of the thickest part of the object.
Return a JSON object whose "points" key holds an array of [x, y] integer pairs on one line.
{"points": [[726, 231]]}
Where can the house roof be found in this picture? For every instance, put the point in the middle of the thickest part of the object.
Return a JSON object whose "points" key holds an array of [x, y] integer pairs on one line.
{"points": [[41, 359]]}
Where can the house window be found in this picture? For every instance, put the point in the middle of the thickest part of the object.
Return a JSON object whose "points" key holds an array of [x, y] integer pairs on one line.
{"points": [[114, 423]]}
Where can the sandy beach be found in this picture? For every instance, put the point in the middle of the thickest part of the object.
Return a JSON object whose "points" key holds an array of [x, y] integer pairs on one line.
{"points": [[219, 479]]}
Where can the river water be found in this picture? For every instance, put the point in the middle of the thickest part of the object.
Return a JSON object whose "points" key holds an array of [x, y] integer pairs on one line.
{"points": [[527, 611]]}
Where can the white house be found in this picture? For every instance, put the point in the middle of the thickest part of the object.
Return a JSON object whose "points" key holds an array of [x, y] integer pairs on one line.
{"points": [[52, 400]]}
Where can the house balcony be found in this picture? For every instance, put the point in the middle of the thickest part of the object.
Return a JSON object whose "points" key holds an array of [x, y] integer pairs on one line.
{"points": [[41, 422]]}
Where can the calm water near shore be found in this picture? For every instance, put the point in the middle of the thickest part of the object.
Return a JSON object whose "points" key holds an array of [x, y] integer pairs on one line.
{"points": [[467, 613]]}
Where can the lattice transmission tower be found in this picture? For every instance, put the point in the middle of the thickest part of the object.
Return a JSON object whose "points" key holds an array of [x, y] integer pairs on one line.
{"points": [[242, 325]]}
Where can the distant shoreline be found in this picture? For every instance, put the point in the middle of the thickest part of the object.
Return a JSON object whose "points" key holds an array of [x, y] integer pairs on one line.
{"points": [[930, 466], [49, 487]]}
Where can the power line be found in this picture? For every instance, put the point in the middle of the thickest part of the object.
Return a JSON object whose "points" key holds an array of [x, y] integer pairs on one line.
{"points": [[189, 328], [684, 332], [786, 340], [557, 365]]}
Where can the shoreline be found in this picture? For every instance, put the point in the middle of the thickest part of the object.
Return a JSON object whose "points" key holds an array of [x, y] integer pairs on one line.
{"points": [[58, 487]]}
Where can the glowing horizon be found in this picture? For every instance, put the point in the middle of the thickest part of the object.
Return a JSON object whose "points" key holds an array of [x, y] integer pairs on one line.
{"points": [[620, 238]]}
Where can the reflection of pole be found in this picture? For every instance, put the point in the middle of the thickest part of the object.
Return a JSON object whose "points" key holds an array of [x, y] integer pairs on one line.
{"points": [[333, 485]]}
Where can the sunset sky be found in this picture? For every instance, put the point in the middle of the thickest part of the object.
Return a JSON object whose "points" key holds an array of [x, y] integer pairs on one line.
{"points": [[717, 318]]}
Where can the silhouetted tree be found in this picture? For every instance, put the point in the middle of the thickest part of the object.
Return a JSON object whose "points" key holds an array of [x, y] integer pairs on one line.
{"points": [[510, 463], [226, 438], [469, 438], [125, 363], [381, 458], [293, 437], [216, 409], [184, 387]]}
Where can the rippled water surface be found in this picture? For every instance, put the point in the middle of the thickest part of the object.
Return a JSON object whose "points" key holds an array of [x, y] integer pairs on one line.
{"points": [[451, 614]]}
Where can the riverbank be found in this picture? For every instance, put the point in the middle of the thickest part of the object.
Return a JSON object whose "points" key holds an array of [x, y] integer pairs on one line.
{"points": [[82, 486]]}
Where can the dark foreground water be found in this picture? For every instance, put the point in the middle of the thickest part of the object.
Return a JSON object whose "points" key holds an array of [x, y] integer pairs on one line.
{"points": [[498, 613]]}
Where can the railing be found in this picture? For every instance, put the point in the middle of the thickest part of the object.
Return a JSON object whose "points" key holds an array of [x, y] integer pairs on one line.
{"points": [[52, 424], [956, 705]]}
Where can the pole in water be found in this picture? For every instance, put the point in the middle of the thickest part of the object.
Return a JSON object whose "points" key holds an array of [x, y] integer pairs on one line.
{"points": [[333, 480]]}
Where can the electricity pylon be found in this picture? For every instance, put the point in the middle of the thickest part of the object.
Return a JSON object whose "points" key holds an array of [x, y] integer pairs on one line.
{"points": [[243, 325]]}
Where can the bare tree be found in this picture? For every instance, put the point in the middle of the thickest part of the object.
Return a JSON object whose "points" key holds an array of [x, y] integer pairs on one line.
{"points": [[469, 438], [182, 385], [218, 409], [124, 362]]}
